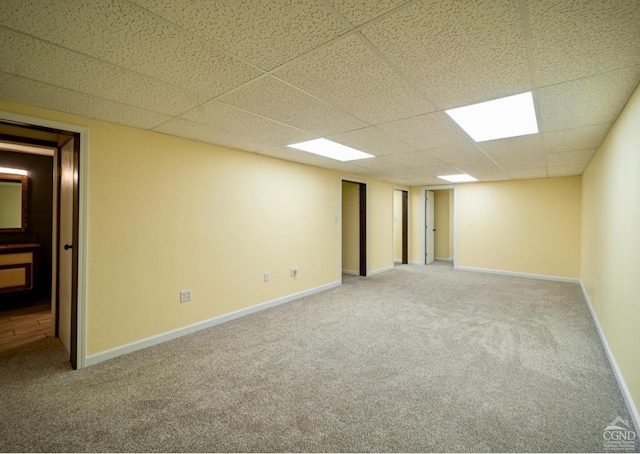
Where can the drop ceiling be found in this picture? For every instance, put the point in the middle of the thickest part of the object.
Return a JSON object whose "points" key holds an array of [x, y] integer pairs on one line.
{"points": [[375, 75]]}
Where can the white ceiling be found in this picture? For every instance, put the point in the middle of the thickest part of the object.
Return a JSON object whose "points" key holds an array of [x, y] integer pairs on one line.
{"points": [[372, 74]]}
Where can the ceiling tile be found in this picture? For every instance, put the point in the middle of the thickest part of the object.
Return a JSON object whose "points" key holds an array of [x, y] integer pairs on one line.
{"points": [[123, 34], [589, 101], [485, 167], [35, 93], [203, 133], [458, 52], [513, 146], [357, 12], [223, 118], [575, 139], [579, 38], [522, 162], [419, 159], [529, 173], [433, 130], [458, 154], [38, 60], [275, 99], [372, 140], [267, 33], [388, 163], [348, 73], [564, 171], [570, 158]]}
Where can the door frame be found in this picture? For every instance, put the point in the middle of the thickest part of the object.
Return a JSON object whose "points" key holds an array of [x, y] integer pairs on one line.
{"points": [[405, 224], [364, 227], [423, 218], [82, 213]]}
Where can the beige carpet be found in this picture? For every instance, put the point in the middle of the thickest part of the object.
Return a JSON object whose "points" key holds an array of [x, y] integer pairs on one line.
{"points": [[414, 359]]}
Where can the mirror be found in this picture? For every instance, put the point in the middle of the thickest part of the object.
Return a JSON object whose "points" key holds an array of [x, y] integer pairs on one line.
{"points": [[14, 193]]}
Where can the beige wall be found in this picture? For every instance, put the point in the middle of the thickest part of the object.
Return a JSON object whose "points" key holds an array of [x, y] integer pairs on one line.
{"points": [[443, 244], [167, 214], [350, 226], [397, 225], [526, 226], [611, 240]]}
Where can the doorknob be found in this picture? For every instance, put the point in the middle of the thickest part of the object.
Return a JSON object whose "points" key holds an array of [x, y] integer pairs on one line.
{"points": [[67, 247]]}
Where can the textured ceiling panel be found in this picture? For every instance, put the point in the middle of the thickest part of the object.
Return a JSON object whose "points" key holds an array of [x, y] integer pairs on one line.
{"points": [[357, 12], [459, 154], [522, 162], [485, 167], [513, 146], [348, 73], [529, 173], [590, 101], [570, 158], [274, 32], [223, 118], [121, 33], [275, 99], [459, 52], [420, 159], [203, 133], [566, 170], [574, 39], [388, 163], [39, 60], [373, 141], [427, 131], [575, 139], [39, 94]]}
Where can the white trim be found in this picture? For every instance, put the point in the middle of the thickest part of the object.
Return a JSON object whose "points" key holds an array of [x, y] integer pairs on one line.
{"points": [[397, 260], [415, 262], [614, 365], [368, 211], [379, 270], [516, 274], [423, 215], [351, 272], [83, 214], [180, 332], [443, 259]]}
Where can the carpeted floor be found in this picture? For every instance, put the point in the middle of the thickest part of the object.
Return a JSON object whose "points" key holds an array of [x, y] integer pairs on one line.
{"points": [[414, 359]]}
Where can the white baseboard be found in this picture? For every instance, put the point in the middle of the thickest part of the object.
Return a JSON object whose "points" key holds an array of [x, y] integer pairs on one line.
{"points": [[443, 259], [614, 365], [415, 262], [379, 270], [174, 334], [351, 272], [516, 274], [397, 260]]}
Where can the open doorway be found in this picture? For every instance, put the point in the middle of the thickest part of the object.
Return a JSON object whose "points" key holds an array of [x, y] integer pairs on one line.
{"points": [[400, 226], [438, 238], [354, 228], [39, 259]]}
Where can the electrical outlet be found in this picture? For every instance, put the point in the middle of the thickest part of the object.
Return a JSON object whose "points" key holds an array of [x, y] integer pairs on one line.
{"points": [[185, 295], [266, 277], [336, 219], [293, 272]]}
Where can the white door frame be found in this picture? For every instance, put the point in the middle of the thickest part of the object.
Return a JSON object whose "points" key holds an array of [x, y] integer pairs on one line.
{"points": [[352, 180], [82, 218], [423, 217]]}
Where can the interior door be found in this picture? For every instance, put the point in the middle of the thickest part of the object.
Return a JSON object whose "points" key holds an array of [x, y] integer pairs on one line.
{"points": [[67, 248], [429, 227]]}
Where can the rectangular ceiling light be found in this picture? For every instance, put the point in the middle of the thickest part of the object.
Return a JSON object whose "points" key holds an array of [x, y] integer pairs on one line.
{"points": [[462, 178], [330, 149], [505, 117], [12, 171]]}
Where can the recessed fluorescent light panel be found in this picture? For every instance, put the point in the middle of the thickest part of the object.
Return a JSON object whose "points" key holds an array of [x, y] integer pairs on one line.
{"points": [[462, 178], [505, 117], [330, 149], [12, 171]]}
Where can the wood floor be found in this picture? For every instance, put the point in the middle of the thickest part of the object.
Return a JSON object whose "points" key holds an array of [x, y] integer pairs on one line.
{"points": [[21, 326]]}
